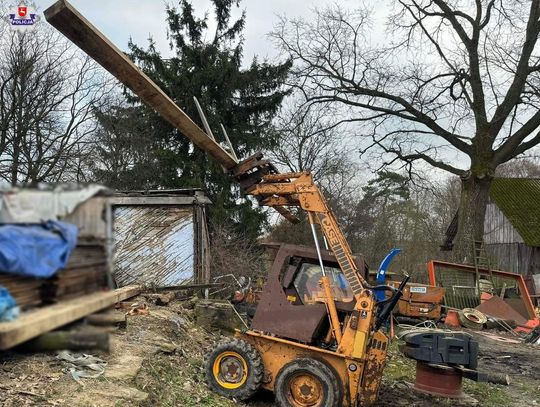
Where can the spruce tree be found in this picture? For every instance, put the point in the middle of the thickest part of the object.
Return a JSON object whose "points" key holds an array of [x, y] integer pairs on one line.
{"points": [[207, 64]]}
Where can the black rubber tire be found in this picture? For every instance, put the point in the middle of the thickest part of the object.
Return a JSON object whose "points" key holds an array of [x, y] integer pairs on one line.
{"points": [[255, 371], [331, 385]]}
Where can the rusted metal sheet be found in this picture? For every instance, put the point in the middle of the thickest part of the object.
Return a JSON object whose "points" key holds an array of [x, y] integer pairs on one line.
{"points": [[419, 300], [439, 273], [153, 245], [498, 308], [373, 371]]}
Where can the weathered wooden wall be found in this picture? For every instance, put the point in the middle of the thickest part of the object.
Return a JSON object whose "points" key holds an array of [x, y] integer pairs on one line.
{"points": [[89, 216], [497, 228], [505, 247], [153, 245], [515, 257]]}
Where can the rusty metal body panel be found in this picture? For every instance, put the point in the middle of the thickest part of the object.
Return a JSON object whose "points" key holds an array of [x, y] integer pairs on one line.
{"points": [[290, 319], [368, 390], [436, 277], [498, 308], [419, 300]]}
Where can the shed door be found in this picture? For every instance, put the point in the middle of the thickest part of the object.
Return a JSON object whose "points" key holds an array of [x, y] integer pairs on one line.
{"points": [[153, 245]]}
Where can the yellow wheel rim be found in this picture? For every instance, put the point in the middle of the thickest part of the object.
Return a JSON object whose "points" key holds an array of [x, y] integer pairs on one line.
{"points": [[230, 370], [305, 390]]}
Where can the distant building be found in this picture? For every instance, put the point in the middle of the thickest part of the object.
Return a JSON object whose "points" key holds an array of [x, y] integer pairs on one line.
{"points": [[511, 228]]}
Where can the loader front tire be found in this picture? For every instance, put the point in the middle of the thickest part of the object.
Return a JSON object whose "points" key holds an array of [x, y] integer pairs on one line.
{"points": [[234, 369], [307, 383]]}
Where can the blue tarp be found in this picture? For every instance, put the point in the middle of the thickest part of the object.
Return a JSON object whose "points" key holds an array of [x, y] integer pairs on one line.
{"points": [[36, 250], [8, 309]]}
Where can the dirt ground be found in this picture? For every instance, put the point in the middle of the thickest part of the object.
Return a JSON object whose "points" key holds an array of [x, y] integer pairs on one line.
{"points": [[158, 361]]}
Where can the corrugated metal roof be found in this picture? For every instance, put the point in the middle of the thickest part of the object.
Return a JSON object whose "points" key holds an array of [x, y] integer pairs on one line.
{"points": [[519, 201]]}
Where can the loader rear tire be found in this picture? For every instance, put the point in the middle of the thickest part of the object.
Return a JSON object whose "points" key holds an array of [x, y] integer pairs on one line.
{"points": [[307, 383], [234, 369]]}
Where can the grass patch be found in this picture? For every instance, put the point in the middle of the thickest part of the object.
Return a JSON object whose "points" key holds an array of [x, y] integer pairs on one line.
{"points": [[488, 394], [398, 367], [173, 381]]}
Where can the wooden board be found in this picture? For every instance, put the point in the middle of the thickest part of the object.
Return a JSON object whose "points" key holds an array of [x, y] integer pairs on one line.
{"points": [[39, 321], [66, 19]]}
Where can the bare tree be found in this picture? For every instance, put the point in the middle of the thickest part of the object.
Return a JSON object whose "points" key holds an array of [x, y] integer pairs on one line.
{"points": [[310, 140], [451, 78], [522, 167], [48, 91]]}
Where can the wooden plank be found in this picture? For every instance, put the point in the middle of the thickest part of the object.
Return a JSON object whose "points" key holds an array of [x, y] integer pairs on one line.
{"points": [[37, 322], [66, 19], [152, 200]]}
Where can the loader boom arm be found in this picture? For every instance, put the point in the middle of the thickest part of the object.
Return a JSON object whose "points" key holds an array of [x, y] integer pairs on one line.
{"points": [[257, 177], [283, 190]]}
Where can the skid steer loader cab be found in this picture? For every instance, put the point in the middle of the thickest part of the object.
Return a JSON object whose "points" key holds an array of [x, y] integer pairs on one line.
{"points": [[307, 284], [290, 348], [292, 303]]}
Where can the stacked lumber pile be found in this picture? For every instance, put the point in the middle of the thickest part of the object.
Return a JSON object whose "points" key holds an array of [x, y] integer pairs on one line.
{"points": [[26, 291], [86, 272]]}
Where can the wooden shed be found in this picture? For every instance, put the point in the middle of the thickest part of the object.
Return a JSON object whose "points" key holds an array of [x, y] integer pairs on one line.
{"points": [[511, 228], [159, 237], [153, 237]]}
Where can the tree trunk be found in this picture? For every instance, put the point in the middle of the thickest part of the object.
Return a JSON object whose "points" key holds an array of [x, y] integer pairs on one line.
{"points": [[472, 211]]}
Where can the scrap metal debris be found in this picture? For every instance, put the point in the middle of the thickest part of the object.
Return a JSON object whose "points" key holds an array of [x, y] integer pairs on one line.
{"points": [[81, 366], [138, 309]]}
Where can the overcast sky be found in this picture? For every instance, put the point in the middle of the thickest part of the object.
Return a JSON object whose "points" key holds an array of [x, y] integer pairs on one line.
{"points": [[139, 19]]}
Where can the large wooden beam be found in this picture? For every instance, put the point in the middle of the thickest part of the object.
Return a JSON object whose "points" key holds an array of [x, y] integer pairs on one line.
{"points": [[39, 321], [66, 19]]}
